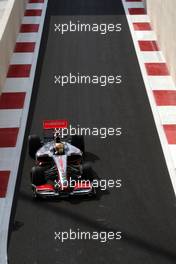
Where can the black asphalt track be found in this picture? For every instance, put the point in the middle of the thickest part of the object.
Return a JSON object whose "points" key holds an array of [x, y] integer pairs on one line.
{"points": [[144, 208]]}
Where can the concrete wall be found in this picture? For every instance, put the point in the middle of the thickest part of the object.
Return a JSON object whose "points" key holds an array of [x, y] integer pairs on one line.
{"points": [[163, 17], [11, 22]]}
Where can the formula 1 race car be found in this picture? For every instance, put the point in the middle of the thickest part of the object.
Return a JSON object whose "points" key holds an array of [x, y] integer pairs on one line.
{"points": [[59, 165]]}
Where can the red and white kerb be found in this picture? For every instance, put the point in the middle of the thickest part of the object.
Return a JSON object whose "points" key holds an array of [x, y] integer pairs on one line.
{"points": [[12, 99], [160, 81]]}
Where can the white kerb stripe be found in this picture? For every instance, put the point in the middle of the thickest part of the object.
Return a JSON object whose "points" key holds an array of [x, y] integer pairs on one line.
{"points": [[7, 165], [173, 153], [167, 114], [161, 82], [135, 4], [2, 205], [31, 20], [27, 37], [145, 35], [140, 18], [5, 153], [16, 85], [10, 118], [22, 58], [152, 56], [35, 6]]}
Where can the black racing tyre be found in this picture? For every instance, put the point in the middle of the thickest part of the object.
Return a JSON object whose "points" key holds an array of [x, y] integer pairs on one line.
{"points": [[34, 145], [78, 142], [93, 193], [37, 175], [87, 171]]}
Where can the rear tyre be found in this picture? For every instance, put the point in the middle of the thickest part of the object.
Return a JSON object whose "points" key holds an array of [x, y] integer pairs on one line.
{"points": [[78, 142], [38, 176], [34, 145]]}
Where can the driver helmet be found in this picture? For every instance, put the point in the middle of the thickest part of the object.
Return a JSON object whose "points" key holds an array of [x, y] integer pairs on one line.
{"points": [[59, 148]]}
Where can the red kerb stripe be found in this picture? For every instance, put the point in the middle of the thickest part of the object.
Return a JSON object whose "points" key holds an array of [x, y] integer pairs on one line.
{"points": [[157, 69], [142, 26], [137, 11], [27, 28], [170, 131], [19, 71], [165, 97], [24, 47], [147, 45], [4, 179], [8, 137], [12, 100], [33, 12]]}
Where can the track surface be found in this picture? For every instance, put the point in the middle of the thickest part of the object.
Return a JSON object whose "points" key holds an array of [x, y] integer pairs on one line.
{"points": [[144, 209]]}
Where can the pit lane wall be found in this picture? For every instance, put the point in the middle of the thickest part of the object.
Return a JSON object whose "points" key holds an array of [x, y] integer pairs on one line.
{"points": [[10, 23], [163, 18]]}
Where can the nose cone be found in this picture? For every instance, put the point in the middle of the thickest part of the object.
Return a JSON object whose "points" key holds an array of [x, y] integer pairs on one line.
{"points": [[61, 163]]}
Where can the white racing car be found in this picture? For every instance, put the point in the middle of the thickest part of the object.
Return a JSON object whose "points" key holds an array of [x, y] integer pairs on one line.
{"points": [[59, 165]]}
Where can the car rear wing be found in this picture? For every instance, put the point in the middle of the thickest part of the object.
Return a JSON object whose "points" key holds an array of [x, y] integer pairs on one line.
{"points": [[50, 127], [55, 124]]}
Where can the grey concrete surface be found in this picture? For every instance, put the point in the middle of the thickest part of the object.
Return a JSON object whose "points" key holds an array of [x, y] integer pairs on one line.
{"points": [[162, 14], [10, 22]]}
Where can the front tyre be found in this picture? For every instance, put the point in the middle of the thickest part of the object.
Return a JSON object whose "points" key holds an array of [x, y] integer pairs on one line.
{"points": [[78, 142], [93, 193], [34, 145], [37, 176]]}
